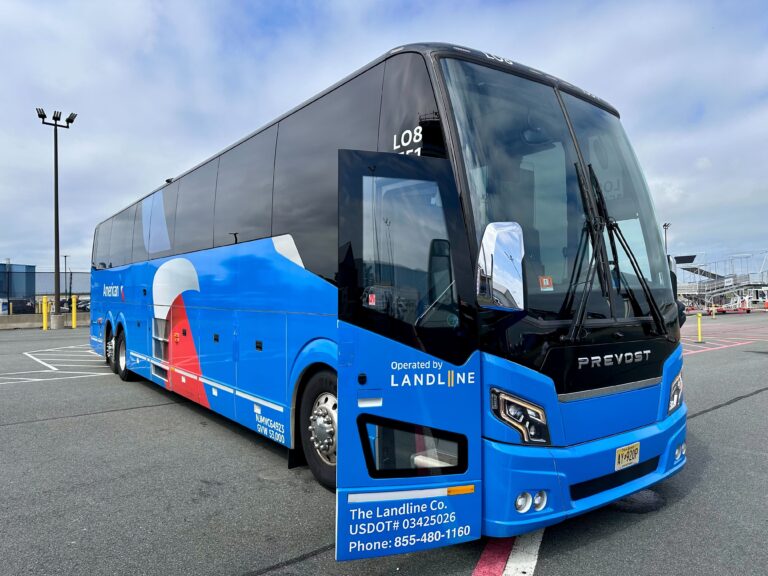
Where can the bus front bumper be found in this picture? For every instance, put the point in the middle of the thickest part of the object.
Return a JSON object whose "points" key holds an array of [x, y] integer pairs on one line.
{"points": [[576, 479]]}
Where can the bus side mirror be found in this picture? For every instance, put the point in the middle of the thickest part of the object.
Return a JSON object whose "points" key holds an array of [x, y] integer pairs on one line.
{"points": [[500, 267], [673, 276], [673, 273]]}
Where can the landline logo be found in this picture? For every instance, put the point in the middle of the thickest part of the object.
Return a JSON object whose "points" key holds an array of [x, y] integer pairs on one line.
{"points": [[427, 373], [113, 291]]}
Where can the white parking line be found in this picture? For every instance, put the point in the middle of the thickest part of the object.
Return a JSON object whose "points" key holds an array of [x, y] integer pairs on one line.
{"points": [[525, 553], [29, 355], [83, 375], [516, 556], [78, 356]]}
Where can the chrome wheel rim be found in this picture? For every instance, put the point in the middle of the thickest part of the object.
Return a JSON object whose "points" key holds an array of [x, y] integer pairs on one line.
{"points": [[323, 426], [121, 355]]}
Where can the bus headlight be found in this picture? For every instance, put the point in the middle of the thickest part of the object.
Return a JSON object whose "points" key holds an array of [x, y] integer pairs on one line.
{"points": [[528, 419], [675, 394]]}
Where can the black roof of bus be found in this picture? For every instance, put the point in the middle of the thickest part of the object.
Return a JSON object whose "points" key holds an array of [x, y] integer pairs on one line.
{"points": [[426, 49]]}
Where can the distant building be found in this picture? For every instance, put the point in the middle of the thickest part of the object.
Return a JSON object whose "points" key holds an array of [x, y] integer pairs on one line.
{"points": [[17, 282]]}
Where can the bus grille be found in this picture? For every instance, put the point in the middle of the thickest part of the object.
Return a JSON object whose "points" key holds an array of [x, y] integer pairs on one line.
{"points": [[603, 483]]}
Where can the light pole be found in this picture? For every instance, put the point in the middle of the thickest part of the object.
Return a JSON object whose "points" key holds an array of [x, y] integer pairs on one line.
{"points": [[56, 320], [666, 227]]}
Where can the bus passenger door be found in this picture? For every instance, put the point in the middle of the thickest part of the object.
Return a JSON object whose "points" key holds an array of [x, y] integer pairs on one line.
{"points": [[409, 456]]}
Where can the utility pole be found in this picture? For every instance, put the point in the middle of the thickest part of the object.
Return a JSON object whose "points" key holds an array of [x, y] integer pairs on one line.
{"points": [[56, 320], [666, 227]]}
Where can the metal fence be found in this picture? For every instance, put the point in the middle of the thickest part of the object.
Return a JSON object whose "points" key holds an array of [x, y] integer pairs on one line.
{"points": [[21, 292]]}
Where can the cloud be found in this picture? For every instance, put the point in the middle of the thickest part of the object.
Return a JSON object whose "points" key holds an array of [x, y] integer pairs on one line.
{"points": [[160, 86]]}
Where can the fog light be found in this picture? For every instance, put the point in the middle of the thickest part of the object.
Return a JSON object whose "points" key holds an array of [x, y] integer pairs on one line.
{"points": [[678, 452], [684, 448], [523, 502], [540, 500]]}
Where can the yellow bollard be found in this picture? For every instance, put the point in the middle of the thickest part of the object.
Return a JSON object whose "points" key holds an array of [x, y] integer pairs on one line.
{"points": [[698, 321], [10, 308], [45, 312], [74, 311]]}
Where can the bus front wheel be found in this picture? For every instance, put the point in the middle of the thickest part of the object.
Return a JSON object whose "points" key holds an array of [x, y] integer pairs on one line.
{"points": [[319, 426]]}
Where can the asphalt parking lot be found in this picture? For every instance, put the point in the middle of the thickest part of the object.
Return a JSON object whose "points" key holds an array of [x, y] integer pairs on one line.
{"points": [[101, 476]]}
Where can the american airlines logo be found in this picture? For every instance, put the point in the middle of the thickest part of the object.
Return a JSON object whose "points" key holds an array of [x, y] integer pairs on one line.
{"points": [[112, 290], [614, 359]]}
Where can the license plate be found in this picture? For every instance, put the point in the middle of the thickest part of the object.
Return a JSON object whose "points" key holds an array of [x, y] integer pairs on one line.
{"points": [[627, 456]]}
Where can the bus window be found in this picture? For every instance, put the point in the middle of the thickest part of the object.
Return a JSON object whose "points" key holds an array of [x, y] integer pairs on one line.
{"points": [[122, 238], [194, 209], [396, 449], [405, 251], [162, 221], [306, 165], [244, 190], [141, 230], [101, 249], [410, 123]]}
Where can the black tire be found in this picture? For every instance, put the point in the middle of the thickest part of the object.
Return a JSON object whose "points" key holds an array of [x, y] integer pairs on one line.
{"points": [[321, 386], [121, 358], [110, 345]]}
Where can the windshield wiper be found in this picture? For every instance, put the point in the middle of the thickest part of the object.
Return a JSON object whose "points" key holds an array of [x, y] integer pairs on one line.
{"points": [[596, 226], [615, 231], [429, 308]]}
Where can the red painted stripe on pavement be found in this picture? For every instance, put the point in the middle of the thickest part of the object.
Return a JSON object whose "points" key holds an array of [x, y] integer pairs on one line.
{"points": [[713, 349], [686, 344], [494, 558]]}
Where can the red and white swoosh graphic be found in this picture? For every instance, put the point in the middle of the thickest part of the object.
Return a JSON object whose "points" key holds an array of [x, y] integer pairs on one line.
{"points": [[172, 279]]}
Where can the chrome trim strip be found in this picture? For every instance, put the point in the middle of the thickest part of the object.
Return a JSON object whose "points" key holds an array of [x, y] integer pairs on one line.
{"points": [[256, 400], [213, 384], [584, 394], [185, 373], [370, 402]]}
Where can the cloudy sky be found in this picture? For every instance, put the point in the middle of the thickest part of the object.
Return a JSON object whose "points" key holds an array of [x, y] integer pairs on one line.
{"points": [[160, 86]]}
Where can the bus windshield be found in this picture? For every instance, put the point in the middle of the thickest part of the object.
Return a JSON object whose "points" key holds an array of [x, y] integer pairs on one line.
{"points": [[521, 166]]}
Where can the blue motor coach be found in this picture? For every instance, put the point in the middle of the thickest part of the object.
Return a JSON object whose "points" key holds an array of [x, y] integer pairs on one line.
{"points": [[440, 283]]}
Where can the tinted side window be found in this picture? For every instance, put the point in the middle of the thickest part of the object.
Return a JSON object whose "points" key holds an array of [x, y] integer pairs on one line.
{"points": [[410, 123], [306, 166], [141, 229], [244, 191], [194, 209], [101, 249], [162, 221], [121, 243]]}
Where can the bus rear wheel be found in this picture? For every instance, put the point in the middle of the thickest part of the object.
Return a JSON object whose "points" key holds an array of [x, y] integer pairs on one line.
{"points": [[120, 358], [319, 424]]}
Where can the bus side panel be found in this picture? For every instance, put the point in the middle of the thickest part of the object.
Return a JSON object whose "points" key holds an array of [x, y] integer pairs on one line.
{"points": [[260, 404], [97, 310], [137, 323], [215, 339]]}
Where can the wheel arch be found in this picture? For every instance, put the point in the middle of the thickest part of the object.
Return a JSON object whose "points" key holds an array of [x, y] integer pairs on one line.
{"points": [[315, 356]]}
